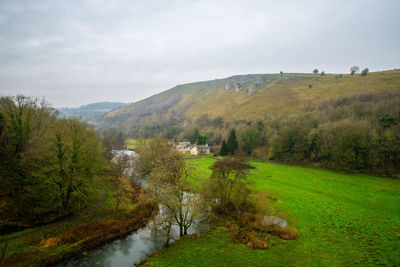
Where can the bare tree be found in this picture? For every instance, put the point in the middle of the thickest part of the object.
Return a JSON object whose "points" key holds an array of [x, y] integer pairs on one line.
{"points": [[170, 178], [354, 70]]}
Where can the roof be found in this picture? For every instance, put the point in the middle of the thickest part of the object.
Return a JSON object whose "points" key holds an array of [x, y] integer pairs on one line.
{"points": [[203, 147], [184, 143]]}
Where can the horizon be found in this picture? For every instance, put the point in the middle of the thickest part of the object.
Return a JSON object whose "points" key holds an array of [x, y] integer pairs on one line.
{"points": [[132, 102], [326, 73]]}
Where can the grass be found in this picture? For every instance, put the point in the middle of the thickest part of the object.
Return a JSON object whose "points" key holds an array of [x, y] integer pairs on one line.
{"points": [[343, 219], [131, 143], [50, 243]]}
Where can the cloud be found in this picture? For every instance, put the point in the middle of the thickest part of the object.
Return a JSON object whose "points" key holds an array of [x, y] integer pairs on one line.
{"points": [[77, 52]]}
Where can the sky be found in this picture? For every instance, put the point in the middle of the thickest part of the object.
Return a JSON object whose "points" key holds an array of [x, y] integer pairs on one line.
{"points": [[79, 52]]}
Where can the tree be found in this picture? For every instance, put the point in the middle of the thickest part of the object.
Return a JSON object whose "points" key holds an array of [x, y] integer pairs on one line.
{"points": [[387, 120], [125, 164], [202, 139], [161, 227], [315, 71], [119, 141], [124, 192], [45, 162], [217, 122], [232, 144], [364, 72], [191, 134], [227, 178], [354, 70], [352, 150], [224, 149], [322, 73], [170, 178], [77, 152], [248, 138], [25, 143], [291, 144], [149, 151]]}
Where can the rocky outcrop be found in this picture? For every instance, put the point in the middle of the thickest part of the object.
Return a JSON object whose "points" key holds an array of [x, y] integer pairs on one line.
{"points": [[241, 81], [252, 88], [229, 85], [274, 221], [238, 87]]}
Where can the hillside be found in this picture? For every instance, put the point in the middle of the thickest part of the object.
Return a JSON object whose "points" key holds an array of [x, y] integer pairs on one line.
{"points": [[248, 97], [92, 111]]}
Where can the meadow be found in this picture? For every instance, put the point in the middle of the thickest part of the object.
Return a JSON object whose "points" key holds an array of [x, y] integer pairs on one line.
{"points": [[343, 219], [130, 143]]}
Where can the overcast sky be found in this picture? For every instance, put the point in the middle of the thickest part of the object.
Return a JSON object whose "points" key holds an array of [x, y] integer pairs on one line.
{"points": [[80, 52]]}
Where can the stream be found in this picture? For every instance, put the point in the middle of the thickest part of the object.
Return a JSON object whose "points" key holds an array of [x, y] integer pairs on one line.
{"points": [[134, 248]]}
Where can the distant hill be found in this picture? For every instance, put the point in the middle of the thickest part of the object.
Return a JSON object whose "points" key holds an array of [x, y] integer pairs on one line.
{"points": [[91, 112], [248, 97]]}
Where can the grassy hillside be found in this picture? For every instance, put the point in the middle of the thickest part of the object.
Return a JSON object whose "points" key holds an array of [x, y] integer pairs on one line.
{"points": [[342, 219], [249, 97]]}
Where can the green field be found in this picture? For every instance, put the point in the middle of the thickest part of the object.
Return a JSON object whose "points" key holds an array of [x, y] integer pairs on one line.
{"points": [[131, 143], [342, 219]]}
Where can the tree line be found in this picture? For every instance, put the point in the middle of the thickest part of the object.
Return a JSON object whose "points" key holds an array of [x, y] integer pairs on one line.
{"points": [[46, 163], [359, 133], [354, 133]]}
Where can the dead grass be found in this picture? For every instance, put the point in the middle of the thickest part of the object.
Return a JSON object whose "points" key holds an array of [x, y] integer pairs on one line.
{"points": [[250, 229], [99, 231]]}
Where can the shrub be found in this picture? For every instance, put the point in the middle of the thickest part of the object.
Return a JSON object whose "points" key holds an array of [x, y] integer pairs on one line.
{"points": [[364, 72]]}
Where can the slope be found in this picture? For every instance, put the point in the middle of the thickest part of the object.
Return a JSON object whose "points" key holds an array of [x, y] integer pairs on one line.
{"points": [[91, 111], [248, 97]]}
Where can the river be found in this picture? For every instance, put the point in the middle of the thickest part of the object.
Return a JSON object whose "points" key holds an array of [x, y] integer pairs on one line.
{"points": [[134, 248]]}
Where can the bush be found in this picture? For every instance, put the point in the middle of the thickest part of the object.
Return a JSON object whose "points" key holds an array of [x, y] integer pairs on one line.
{"points": [[364, 72]]}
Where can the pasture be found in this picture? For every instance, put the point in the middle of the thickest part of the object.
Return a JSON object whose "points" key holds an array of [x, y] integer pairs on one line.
{"points": [[343, 219]]}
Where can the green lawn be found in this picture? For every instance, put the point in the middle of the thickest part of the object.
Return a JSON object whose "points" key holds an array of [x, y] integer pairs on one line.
{"points": [[131, 143], [342, 219]]}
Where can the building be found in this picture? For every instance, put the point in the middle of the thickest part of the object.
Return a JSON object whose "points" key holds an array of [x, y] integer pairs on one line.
{"points": [[184, 147], [188, 148], [200, 150]]}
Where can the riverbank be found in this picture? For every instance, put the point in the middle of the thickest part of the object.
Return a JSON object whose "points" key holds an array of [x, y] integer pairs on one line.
{"points": [[100, 223]]}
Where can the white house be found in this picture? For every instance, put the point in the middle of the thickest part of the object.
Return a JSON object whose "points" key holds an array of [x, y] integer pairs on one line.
{"points": [[188, 148], [184, 147], [200, 150]]}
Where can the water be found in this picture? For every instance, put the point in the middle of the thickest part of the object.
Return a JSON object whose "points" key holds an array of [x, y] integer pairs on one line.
{"points": [[134, 248], [124, 152]]}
